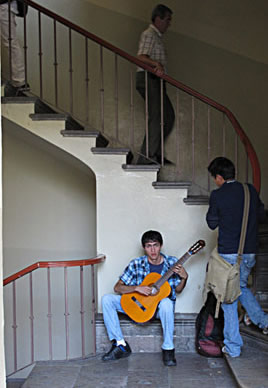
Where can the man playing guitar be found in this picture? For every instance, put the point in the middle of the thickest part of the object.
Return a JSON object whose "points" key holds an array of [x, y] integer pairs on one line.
{"points": [[154, 261]]}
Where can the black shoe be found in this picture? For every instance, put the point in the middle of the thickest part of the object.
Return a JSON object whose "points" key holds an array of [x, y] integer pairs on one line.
{"points": [[169, 357], [117, 352], [14, 91]]}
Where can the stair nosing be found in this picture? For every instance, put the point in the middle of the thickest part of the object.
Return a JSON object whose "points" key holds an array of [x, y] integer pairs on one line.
{"points": [[79, 133], [171, 185], [141, 167], [110, 151], [18, 100], [48, 117]]}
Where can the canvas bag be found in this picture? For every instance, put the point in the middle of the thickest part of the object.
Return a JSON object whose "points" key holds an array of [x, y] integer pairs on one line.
{"points": [[223, 278]]}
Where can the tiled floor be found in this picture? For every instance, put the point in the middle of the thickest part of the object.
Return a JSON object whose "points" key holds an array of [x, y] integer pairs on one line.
{"points": [[139, 370]]}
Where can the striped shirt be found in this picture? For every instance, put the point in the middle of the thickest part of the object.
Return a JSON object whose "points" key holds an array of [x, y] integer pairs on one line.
{"points": [[138, 268], [151, 44]]}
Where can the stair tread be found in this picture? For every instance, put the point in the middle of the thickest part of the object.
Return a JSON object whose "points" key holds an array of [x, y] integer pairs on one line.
{"points": [[106, 150], [78, 133], [171, 185], [48, 116], [196, 200], [141, 167], [18, 100]]}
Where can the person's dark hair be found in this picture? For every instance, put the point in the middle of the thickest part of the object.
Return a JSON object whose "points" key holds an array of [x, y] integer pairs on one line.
{"points": [[151, 235], [160, 10], [222, 166]]}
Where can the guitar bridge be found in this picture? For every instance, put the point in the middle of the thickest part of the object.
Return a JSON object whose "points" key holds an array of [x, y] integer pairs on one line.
{"points": [[138, 303]]}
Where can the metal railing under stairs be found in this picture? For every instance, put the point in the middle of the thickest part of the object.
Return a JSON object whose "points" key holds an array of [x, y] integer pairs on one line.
{"points": [[50, 314]]}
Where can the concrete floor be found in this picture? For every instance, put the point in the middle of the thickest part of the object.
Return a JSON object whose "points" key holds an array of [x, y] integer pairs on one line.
{"points": [[139, 370]]}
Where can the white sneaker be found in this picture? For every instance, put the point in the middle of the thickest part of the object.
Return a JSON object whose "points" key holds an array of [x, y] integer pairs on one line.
{"points": [[265, 330], [227, 354]]}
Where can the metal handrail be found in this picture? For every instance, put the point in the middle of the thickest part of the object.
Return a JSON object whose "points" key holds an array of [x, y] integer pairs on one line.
{"points": [[53, 264], [237, 127]]}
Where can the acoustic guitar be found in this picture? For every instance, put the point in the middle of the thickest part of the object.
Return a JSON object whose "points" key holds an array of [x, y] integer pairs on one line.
{"points": [[141, 308]]}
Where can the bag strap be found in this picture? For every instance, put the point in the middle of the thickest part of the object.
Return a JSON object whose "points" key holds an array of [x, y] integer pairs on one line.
{"points": [[244, 222]]}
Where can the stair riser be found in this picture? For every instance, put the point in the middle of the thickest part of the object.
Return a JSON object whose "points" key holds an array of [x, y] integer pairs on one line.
{"points": [[148, 338]]}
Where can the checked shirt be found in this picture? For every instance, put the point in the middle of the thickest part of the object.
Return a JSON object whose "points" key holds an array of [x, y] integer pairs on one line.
{"points": [[138, 268], [151, 44]]}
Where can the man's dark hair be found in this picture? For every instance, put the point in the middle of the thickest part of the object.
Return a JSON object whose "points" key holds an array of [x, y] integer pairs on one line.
{"points": [[160, 10], [151, 236], [222, 166]]}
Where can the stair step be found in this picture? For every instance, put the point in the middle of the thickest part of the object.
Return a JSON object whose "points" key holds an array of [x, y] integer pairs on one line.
{"points": [[141, 167], [101, 141], [148, 338], [18, 100], [196, 200], [171, 185], [110, 151], [48, 116]]}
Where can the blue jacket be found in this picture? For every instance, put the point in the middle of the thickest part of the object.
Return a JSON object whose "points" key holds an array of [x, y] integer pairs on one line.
{"points": [[225, 211]]}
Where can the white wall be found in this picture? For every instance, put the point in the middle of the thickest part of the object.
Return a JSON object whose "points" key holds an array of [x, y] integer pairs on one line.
{"points": [[49, 203], [49, 214], [2, 355]]}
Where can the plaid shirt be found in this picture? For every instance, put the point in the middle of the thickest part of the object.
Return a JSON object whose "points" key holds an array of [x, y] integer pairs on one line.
{"points": [[138, 268], [151, 44]]}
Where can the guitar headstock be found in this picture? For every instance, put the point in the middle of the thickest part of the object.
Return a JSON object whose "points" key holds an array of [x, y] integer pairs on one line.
{"points": [[196, 247]]}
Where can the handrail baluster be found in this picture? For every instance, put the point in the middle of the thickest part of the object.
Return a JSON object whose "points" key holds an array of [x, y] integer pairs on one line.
{"points": [[40, 54]]}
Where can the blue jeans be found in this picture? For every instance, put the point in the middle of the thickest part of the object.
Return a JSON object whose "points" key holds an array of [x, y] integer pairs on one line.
{"points": [[165, 312], [232, 338]]}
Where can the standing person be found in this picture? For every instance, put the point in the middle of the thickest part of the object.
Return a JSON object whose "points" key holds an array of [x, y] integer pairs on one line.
{"points": [[130, 281], [17, 61], [152, 52], [225, 211]]}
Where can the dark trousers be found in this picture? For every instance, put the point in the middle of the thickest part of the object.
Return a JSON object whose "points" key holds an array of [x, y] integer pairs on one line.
{"points": [[154, 111]]}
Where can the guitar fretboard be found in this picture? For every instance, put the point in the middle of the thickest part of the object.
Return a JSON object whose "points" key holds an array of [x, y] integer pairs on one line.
{"points": [[170, 272]]}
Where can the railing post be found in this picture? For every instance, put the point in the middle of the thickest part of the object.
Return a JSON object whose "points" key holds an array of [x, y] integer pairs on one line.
{"points": [[49, 315], [87, 80], [146, 115], [14, 326], [193, 139], [31, 316], [9, 40], [209, 146], [223, 134], [131, 129], [82, 310], [162, 119], [116, 96], [93, 309], [66, 313], [71, 70], [102, 88], [25, 47], [40, 54], [177, 132], [55, 64]]}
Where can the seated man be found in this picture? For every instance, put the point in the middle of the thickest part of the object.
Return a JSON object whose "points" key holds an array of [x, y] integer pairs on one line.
{"points": [[130, 281]]}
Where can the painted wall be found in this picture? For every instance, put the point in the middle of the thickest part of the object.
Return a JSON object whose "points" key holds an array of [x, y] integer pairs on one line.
{"points": [[49, 201], [2, 346], [49, 213]]}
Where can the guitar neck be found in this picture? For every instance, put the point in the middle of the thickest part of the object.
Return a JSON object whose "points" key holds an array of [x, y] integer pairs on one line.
{"points": [[170, 272]]}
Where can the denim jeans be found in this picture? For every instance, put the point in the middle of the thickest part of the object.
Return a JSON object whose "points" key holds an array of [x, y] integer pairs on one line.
{"points": [[165, 312], [232, 338]]}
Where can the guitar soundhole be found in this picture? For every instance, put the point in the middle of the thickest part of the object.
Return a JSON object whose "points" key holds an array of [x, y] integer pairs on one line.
{"points": [[138, 303]]}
